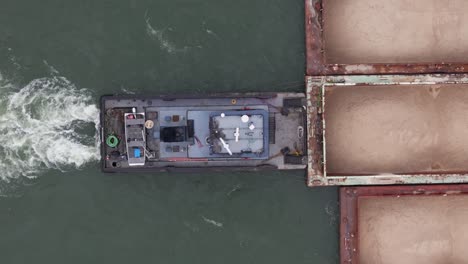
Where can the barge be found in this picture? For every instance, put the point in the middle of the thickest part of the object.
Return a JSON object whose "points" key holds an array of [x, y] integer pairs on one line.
{"points": [[396, 129], [387, 87], [359, 37], [404, 224], [236, 131]]}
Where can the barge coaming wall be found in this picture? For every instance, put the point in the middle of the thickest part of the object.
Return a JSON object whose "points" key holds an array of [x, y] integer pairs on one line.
{"points": [[438, 95]]}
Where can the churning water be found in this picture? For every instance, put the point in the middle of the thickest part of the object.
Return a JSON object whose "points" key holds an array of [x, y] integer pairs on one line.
{"points": [[47, 124]]}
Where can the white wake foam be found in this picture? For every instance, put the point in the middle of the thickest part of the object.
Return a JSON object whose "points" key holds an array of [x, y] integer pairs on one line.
{"points": [[49, 123], [164, 43]]}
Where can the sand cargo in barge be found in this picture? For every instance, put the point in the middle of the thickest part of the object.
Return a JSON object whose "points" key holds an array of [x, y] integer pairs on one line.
{"points": [[236, 131]]}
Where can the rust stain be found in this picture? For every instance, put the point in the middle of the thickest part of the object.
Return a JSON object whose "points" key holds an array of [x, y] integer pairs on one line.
{"points": [[314, 42], [315, 134], [362, 69]]}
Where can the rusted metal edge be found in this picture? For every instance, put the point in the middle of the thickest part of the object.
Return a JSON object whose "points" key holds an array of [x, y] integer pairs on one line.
{"points": [[316, 62], [317, 173], [389, 179], [379, 68], [391, 79], [315, 58], [349, 198], [348, 226], [315, 143]]}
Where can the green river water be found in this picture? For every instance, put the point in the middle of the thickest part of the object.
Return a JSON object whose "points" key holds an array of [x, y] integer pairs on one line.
{"points": [[58, 57]]}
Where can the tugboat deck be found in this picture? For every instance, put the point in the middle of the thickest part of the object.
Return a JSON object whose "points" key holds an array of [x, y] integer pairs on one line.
{"points": [[249, 131]]}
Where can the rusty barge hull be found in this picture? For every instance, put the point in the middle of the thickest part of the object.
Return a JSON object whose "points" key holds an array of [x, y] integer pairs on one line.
{"points": [[359, 37], [404, 224], [387, 129]]}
